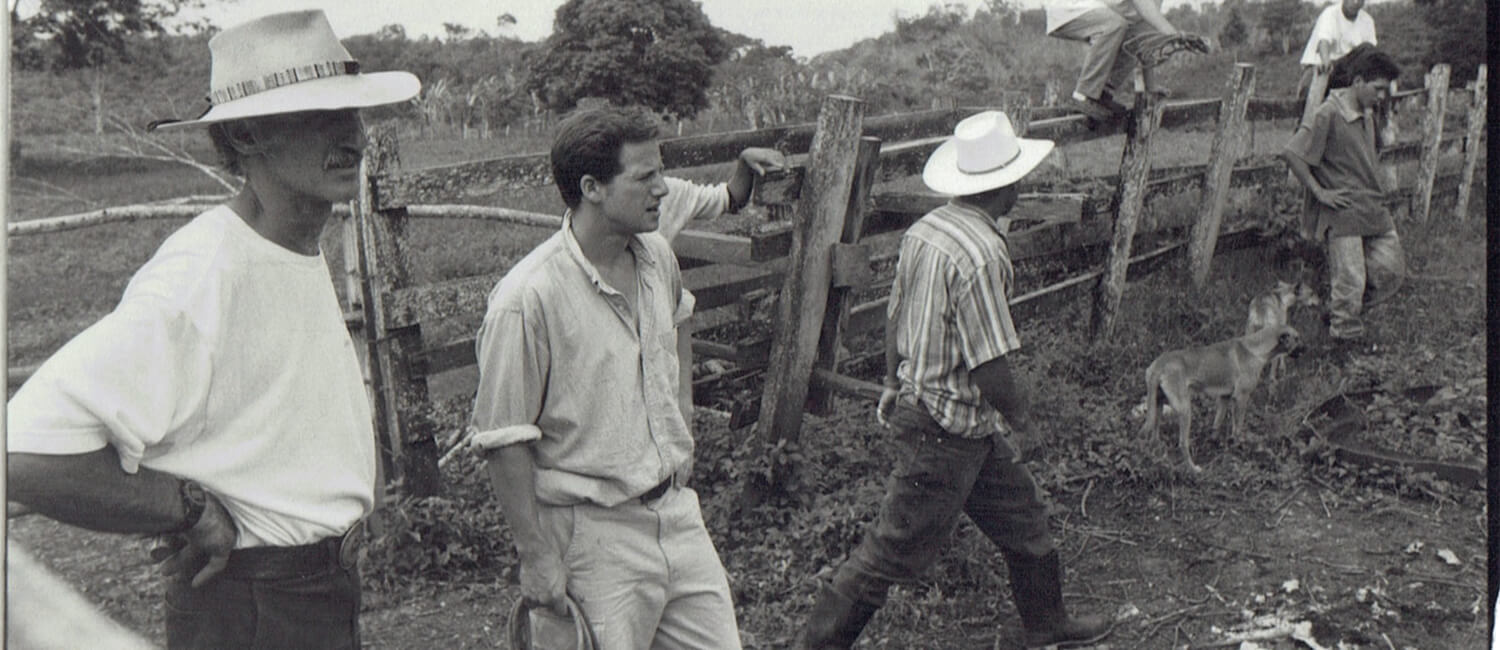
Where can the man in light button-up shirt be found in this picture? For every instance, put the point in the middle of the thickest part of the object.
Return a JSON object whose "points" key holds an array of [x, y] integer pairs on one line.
{"points": [[584, 408]]}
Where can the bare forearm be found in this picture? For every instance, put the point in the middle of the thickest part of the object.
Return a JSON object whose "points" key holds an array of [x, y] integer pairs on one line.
{"points": [[740, 184], [1003, 390], [685, 373], [92, 491], [892, 356], [1301, 171], [513, 476]]}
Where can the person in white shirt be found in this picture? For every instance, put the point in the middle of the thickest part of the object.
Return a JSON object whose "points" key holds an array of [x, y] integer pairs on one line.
{"points": [[1339, 28], [221, 404]]}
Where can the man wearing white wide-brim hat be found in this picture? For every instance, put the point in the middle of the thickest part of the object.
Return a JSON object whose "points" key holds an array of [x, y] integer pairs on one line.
{"points": [[221, 405], [958, 412]]}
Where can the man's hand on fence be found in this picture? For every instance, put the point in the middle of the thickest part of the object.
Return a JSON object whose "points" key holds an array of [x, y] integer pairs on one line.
{"points": [[204, 548], [544, 580], [761, 160]]}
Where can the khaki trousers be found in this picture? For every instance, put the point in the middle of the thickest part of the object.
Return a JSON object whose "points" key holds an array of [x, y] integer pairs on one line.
{"points": [[646, 574]]}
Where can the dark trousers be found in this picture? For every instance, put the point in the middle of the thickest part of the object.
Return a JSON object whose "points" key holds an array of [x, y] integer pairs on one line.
{"points": [[938, 476], [317, 610]]}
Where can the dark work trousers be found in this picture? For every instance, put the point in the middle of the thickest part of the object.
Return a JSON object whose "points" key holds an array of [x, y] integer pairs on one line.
{"points": [[937, 476], [317, 610]]}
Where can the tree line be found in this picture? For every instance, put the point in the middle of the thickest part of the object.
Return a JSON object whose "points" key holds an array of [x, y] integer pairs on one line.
{"points": [[133, 59]]}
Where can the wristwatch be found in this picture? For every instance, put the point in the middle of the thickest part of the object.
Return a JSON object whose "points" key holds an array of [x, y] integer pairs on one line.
{"points": [[194, 500]]}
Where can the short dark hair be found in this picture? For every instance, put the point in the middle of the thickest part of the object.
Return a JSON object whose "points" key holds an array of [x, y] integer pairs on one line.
{"points": [[1364, 61], [589, 141]]}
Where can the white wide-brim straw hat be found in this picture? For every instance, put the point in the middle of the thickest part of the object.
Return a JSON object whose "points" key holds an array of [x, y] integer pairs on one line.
{"points": [[983, 154], [287, 63]]}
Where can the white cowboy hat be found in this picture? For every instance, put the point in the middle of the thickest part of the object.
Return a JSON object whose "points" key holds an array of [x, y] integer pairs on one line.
{"points": [[286, 63], [983, 154]]}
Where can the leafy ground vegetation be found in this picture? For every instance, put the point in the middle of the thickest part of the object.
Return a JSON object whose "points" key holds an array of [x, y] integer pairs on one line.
{"points": [[1280, 538]]}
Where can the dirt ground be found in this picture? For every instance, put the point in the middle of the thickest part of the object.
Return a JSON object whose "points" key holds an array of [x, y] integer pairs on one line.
{"points": [[1192, 565]]}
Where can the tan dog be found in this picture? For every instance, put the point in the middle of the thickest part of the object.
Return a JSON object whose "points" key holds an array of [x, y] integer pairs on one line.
{"points": [[1273, 308], [1226, 370]]}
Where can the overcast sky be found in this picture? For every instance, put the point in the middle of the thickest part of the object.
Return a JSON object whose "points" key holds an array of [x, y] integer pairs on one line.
{"points": [[809, 26]]}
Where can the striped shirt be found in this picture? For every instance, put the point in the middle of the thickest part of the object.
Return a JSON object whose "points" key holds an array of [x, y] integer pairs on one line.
{"points": [[948, 305]]}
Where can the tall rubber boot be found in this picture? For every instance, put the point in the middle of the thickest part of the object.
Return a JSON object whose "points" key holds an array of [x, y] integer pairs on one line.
{"points": [[834, 622], [1036, 586]]}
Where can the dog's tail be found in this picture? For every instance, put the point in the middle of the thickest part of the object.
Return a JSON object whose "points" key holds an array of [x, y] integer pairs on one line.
{"points": [[1153, 386]]}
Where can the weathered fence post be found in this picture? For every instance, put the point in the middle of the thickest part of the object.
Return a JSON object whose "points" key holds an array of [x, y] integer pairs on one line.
{"points": [[402, 414], [804, 294], [1017, 106], [1229, 145], [1432, 139], [353, 277], [836, 316], [1475, 132], [1135, 168]]}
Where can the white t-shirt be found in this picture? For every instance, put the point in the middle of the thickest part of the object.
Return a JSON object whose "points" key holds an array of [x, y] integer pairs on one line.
{"points": [[686, 201], [1345, 33], [226, 362]]}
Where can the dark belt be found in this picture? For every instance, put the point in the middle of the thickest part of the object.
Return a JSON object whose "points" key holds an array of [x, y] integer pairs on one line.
{"points": [[656, 492], [269, 562]]}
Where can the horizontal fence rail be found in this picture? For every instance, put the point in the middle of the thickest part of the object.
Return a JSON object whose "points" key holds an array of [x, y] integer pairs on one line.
{"points": [[738, 273]]}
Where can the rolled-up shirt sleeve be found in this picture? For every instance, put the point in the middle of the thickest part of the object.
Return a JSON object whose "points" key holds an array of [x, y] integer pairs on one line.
{"points": [[687, 201], [136, 379], [1309, 140], [512, 352]]}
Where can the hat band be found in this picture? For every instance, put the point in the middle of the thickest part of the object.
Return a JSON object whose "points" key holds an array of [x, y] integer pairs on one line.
{"points": [[994, 167], [298, 74]]}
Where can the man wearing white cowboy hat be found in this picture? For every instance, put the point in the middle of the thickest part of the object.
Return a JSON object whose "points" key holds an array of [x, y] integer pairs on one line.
{"points": [[957, 409], [221, 403]]}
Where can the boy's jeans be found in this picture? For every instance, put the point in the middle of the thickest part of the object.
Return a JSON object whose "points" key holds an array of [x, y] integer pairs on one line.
{"points": [[1362, 272]]}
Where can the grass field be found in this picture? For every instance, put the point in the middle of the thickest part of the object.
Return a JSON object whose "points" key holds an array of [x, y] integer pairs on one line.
{"points": [[1176, 560]]}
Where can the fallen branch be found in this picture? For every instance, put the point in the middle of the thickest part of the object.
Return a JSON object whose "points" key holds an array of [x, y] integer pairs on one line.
{"points": [[1301, 631], [1099, 534]]}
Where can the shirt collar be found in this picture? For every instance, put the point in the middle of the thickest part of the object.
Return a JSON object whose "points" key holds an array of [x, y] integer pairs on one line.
{"points": [[1343, 98], [969, 210], [641, 251]]}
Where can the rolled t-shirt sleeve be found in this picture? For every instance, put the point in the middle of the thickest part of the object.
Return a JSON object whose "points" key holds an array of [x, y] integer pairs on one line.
{"points": [[513, 359], [136, 379]]}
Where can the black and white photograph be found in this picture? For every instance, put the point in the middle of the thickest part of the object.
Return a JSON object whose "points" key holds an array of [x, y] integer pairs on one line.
{"points": [[761, 324]]}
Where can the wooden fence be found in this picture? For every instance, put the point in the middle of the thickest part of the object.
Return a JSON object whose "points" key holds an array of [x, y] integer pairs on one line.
{"points": [[842, 224]]}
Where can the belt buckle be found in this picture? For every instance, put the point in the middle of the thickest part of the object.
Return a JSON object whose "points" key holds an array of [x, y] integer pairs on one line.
{"points": [[350, 544]]}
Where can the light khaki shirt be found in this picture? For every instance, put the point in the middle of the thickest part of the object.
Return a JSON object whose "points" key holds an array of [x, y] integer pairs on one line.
{"points": [[560, 349]]}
